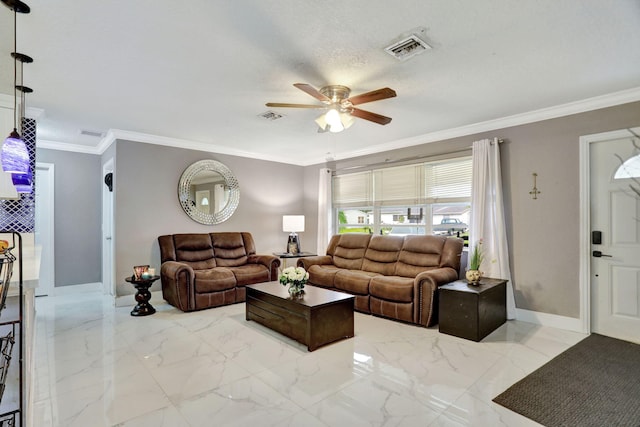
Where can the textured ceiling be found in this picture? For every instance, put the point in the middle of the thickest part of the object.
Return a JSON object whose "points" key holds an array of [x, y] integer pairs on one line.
{"points": [[200, 71]]}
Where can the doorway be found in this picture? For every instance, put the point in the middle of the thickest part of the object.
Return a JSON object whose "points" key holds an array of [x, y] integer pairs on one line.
{"points": [[44, 227], [612, 255], [108, 285]]}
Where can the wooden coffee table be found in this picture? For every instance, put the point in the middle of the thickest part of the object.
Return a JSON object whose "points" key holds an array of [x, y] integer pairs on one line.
{"points": [[318, 317]]}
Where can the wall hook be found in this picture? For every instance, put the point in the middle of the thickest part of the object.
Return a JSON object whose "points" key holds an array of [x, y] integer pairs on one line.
{"points": [[534, 192]]}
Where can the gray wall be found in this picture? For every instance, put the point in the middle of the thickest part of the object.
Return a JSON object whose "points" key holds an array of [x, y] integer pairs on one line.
{"points": [[543, 234], [78, 206], [146, 202]]}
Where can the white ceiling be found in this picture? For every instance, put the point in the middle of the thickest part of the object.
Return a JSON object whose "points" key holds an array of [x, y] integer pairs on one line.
{"points": [[199, 72]]}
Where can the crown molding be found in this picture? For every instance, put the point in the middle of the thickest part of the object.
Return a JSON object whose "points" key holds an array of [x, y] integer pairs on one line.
{"points": [[115, 134], [63, 146], [589, 104]]}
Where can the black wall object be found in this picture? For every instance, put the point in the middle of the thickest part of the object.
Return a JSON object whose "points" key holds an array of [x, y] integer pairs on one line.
{"points": [[108, 179]]}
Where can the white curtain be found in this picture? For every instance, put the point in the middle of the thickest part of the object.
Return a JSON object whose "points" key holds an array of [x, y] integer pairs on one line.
{"points": [[487, 216], [324, 210]]}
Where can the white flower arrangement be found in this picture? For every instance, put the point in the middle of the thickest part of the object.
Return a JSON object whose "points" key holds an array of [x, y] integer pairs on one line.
{"points": [[294, 276]]}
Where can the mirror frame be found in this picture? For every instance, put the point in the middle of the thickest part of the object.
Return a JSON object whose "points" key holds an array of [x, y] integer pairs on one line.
{"points": [[184, 193]]}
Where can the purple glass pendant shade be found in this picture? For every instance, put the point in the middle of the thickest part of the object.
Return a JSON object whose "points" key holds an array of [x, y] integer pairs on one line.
{"points": [[22, 181], [15, 157]]}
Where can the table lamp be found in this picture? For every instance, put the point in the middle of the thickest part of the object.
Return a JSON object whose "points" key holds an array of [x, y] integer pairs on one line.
{"points": [[293, 224]]}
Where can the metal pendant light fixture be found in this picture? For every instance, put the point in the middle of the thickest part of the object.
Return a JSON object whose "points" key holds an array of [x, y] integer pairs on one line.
{"points": [[15, 156]]}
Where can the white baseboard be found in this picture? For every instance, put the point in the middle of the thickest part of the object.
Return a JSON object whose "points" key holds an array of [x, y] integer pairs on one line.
{"points": [[129, 300], [74, 289], [553, 320]]}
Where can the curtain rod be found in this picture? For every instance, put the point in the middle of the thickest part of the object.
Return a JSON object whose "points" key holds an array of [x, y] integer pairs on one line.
{"points": [[389, 162], [500, 141]]}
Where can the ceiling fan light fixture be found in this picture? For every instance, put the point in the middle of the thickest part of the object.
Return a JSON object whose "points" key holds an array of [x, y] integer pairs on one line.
{"points": [[333, 117], [347, 120]]}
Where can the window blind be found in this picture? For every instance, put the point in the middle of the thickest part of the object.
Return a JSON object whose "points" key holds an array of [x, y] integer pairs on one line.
{"points": [[353, 190], [401, 185], [448, 181]]}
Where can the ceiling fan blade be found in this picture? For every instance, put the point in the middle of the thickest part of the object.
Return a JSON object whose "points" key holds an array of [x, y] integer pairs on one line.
{"points": [[312, 91], [285, 105], [372, 117], [374, 95]]}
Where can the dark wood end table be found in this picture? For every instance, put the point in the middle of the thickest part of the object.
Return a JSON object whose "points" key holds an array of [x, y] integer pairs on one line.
{"points": [[143, 308], [472, 312], [318, 317]]}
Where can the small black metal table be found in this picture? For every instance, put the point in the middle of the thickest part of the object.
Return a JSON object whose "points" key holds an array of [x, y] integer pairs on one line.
{"points": [[143, 308], [286, 255]]}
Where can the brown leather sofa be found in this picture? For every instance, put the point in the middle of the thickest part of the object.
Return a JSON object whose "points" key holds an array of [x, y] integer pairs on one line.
{"points": [[211, 269], [391, 276]]}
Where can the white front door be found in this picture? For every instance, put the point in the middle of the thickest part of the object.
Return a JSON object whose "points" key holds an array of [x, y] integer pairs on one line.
{"points": [[615, 238]]}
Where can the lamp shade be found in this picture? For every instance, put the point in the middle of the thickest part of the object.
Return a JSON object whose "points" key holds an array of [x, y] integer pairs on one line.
{"points": [[293, 223], [15, 157], [7, 189], [22, 181]]}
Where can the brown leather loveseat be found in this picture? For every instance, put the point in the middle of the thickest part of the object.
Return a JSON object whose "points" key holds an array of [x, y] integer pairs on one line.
{"points": [[211, 269], [391, 276]]}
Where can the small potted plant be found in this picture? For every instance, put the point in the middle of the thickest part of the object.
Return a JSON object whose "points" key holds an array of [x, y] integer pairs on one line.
{"points": [[474, 274]]}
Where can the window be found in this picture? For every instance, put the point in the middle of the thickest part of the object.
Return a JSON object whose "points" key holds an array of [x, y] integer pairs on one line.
{"points": [[425, 198], [629, 169]]}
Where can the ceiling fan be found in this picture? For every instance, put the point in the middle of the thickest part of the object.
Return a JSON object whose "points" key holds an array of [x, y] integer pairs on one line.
{"points": [[340, 107]]}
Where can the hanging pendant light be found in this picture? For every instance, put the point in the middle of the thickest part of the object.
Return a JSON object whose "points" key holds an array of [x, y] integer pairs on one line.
{"points": [[15, 157], [22, 181]]}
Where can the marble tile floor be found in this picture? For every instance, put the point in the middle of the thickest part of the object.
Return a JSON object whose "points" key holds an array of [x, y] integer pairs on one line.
{"points": [[95, 365]]}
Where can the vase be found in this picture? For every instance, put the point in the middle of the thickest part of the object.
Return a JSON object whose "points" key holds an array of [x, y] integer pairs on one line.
{"points": [[473, 276], [295, 290]]}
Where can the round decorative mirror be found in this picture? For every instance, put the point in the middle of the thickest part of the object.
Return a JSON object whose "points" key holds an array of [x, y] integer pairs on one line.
{"points": [[208, 192]]}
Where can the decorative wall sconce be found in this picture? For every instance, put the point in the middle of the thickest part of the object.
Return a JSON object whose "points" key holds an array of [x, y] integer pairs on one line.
{"points": [[108, 180], [534, 192]]}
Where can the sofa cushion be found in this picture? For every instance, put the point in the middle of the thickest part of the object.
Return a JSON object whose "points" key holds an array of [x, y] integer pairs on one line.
{"points": [[392, 288], [348, 250], [250, 273], [382, 253], [214, 279], [195, 250], [354, 281], [323, 275], [418, 254], [229, 249]]}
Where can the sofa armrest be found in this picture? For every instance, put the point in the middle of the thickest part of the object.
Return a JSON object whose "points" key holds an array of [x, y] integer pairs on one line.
{"points": [[426, 285], [178, 284], [269, 261], [308, 261]]}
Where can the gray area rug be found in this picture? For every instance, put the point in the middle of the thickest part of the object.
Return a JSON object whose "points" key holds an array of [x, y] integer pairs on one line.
{"points": [[594, 383]]}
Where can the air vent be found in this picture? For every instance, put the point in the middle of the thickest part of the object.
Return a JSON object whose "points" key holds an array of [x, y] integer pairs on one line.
{"points": [[407, 48], [271, 115], [93, 133]]}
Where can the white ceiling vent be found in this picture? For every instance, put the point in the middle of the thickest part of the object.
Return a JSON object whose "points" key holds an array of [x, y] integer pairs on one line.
{"points": [[94, 133], [407, 47], [271, 115]]}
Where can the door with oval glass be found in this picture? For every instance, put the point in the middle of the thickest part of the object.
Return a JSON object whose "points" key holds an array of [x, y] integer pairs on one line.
{"points": [[615, 237]]}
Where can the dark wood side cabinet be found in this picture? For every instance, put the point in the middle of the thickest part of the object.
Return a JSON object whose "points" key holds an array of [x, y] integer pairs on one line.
{"points": [[472, 312]]}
